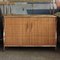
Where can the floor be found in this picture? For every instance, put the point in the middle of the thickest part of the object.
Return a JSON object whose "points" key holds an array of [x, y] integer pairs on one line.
{"points": [[30, 54]]}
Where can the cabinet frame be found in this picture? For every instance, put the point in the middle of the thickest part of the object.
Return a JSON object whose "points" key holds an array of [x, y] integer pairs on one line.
{"points": [[31, 27]]}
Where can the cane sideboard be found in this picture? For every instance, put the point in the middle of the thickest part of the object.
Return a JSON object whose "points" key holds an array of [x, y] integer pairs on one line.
{"points": [[30, 31]]}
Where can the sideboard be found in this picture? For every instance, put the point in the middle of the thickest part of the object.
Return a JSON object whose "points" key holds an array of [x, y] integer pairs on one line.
{"points": [[30, 31]]}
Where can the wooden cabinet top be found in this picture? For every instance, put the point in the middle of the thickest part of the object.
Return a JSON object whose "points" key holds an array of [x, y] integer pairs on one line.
{"points": [[29, 16], [29, 0]]}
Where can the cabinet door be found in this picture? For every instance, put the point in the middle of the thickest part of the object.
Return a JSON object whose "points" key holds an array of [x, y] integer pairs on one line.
{"points": [[16, 31], [10, 32], [42, 31], [46, 31]]}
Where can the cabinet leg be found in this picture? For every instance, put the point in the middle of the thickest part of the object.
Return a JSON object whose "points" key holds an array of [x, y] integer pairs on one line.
{"points": [[55, 48], [4, 48]]}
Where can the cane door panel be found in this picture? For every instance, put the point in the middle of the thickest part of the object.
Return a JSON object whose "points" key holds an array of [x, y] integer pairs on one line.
{"points": [[42, 31], [46, 31], [16, 31]]}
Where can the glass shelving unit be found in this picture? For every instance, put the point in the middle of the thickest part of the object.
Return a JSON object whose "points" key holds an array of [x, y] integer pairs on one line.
{"points": [[27, 7]]}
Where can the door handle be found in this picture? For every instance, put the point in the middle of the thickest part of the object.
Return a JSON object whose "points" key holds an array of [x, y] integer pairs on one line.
{"points": [[26, 26], [31, 27]]}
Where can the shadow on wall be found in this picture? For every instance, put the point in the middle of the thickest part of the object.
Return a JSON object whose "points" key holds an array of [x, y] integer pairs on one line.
{"points": [[1, 28]]}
